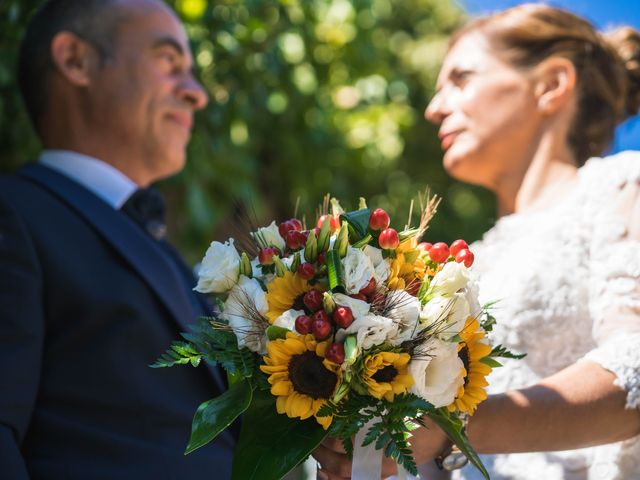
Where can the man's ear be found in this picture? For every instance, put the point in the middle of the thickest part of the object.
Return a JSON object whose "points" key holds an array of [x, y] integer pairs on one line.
{"points": [[73, 58], [555, 84]]}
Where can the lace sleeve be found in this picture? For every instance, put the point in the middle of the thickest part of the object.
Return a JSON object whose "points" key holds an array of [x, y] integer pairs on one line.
{"points": [[615, 284]]}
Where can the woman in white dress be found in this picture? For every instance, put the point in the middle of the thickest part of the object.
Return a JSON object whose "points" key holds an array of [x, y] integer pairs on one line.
{"points": [[524, 98]]}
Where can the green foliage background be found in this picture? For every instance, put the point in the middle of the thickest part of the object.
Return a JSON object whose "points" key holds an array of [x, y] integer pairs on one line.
{"points": [[306, 97]]}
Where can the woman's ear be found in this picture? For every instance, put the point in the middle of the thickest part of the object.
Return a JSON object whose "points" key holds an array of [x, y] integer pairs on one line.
{"points": [[73, 58], [554, 84]]}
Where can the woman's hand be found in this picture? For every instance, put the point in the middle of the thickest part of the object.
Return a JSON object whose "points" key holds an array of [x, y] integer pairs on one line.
{"points": [[426, 443]]}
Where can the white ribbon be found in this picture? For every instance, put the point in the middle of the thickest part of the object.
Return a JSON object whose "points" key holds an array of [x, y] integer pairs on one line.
{"points": [[367, 461]]}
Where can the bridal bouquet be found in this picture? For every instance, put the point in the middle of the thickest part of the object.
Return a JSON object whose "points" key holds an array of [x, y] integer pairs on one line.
{"points": [[349, 329]]}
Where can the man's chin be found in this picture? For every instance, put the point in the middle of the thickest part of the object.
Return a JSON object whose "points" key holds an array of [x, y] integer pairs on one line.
{"points": [[170, 163]]}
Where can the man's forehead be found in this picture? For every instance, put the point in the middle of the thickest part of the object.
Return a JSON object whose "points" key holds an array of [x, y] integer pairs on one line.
{"points": [[151, 21]]}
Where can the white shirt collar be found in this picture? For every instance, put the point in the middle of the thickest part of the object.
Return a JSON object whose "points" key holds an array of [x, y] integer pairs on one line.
{"points": [[107, 182]]}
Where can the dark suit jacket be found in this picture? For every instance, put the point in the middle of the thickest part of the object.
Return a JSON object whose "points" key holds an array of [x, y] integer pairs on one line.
{"points": [[87, 302]]}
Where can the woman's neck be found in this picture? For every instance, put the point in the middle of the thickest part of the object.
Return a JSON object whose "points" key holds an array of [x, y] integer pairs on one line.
{"points": [[550, 174]]}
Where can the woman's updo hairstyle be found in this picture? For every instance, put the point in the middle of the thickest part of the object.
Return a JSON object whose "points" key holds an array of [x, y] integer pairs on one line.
{"points": [[607, 66]]}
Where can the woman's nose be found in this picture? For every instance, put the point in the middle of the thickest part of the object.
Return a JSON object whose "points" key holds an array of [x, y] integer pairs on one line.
{"points": [[434, 112]]}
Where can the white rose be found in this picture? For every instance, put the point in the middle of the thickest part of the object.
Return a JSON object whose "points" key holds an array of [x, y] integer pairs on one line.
{"points": [[270, 236], [220, 268], [288, 319], [358, 270], [359, 308], [437, 373], [450, 279], [380, 265], [446, 316], [244, 299], [370, 330], [405, 311]]}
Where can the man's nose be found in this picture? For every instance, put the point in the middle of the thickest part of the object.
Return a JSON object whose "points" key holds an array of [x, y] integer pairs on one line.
{"points": [[193, 93]]}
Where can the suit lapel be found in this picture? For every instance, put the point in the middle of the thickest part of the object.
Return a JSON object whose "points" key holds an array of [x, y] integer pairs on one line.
{"points": [[139, 249]]}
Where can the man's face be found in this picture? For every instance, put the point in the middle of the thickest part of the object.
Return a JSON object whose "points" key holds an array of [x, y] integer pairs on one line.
{"points": [[144, 97]]}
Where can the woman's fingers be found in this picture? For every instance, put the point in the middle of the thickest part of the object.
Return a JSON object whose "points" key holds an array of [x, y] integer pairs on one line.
{"points": [[334, 463]]}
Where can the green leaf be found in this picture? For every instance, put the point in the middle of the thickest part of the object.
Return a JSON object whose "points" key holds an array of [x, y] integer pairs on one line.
{"points": [[179, 353], [453, 427], [213, 416], [500, 351], [274, 332], [334, 271], [272, 444], [358, 221], [491, 362]]}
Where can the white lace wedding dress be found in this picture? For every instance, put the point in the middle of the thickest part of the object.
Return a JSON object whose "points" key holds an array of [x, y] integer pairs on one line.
{"points": [[568, 284]]}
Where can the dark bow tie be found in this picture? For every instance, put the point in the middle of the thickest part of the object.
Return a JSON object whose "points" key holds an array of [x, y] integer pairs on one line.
{"points": [[147, 208]]}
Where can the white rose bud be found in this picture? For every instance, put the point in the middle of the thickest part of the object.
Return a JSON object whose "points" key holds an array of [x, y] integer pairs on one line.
{"points": [[405, 311], [438, 373], [380, 265], [445, 315], [246, 297], [453, 277], [358, 270], [270, 237], [220, 268], [359, 308], [288, 319], [370, 330]]}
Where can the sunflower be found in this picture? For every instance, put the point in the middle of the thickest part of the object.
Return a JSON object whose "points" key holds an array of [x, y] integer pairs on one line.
{"points": [[386, 374], [408, 269], [471, 351], [284, 293], [300, 377]]}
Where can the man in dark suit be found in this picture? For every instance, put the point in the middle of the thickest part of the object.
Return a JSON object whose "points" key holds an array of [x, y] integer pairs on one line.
{"points": [[90, 295]]}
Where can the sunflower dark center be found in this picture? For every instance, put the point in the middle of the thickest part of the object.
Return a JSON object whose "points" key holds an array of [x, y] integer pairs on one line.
{"points": [[385, 375], [464, 356], [298, 304], [310, 377]]}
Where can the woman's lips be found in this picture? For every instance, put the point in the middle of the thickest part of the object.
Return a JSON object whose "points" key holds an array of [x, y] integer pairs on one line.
{"points": [[446, 139]]}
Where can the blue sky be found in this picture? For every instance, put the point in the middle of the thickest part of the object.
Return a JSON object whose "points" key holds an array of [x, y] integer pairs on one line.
{"points": [[602, 13]]}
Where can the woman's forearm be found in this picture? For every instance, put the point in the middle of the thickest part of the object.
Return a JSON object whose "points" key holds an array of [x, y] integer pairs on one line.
{"points": [[577, 407]]}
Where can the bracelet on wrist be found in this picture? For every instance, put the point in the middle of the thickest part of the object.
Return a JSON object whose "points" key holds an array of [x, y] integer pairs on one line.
{"points": [[451, 457]]}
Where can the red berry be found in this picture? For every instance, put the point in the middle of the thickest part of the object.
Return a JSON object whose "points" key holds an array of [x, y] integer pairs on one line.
{"points": [[389, 239], [284, 228], [303, 324], [359, 296], [322, 258], [379, 220], [321, 325], [334, 222], [343, 317], [296, 224], [306, 271], [265, 256], [457, 246], [369, 288], [425, 246], [295, 240], [335, 353], [313, 300], [465, 256], [439, 252]]}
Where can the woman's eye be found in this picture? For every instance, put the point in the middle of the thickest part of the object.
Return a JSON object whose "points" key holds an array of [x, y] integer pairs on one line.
{"points": [[461, 76]]}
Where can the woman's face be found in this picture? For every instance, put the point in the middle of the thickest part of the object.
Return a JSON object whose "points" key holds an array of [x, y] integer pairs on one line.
{"points": [[488, 115]]}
